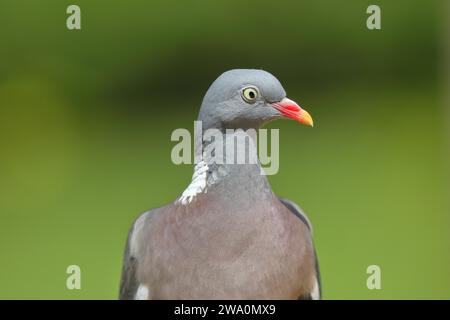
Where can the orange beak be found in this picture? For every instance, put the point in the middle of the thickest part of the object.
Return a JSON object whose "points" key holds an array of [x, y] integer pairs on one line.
{"points": [[292, 110]]}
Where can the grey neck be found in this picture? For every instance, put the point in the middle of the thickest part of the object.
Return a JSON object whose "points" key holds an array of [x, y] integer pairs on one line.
{"points": [[236, 167], [224, 176]]}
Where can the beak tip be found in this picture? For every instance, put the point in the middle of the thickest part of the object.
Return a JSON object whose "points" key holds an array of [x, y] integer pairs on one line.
{"points": [[306, 119]]}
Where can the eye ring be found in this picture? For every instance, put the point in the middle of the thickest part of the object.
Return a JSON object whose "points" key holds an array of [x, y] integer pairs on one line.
{"points": [[250, 94]]}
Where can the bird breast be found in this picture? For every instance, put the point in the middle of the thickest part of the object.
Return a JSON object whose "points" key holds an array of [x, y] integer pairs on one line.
{"points": [[200, 254]]}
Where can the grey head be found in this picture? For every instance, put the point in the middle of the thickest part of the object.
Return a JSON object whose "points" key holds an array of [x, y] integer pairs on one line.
{"points": [[247, 98]]}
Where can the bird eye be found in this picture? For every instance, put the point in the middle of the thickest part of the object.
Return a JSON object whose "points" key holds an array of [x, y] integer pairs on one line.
{"points": [[250, 94]]}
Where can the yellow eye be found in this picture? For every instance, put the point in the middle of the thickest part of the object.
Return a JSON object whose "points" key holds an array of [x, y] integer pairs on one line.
{"points": [[250, 94]]}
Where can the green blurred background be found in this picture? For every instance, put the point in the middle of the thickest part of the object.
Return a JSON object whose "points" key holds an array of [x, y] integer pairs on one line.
{"points": [[86, 118]]}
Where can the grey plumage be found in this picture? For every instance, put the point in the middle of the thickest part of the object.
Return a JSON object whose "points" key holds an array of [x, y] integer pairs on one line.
{"points": [[295, 209], [237, 240], [223, 107], [128, 282]]}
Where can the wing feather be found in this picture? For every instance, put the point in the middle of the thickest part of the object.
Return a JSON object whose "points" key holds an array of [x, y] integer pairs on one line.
{"points": [[316, 293]]}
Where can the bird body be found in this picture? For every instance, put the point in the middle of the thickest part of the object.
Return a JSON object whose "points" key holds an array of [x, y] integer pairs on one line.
{"points": [[232, 238]]}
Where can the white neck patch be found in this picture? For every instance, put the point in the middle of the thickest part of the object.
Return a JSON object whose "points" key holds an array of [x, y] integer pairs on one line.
{"points": [[198, 184]]}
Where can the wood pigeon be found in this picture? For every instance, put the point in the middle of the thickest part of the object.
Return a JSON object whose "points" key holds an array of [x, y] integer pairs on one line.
{"points": [[228, 236]]}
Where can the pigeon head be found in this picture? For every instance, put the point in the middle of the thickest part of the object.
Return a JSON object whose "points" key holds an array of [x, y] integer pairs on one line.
{"points": [[247, 98]]}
